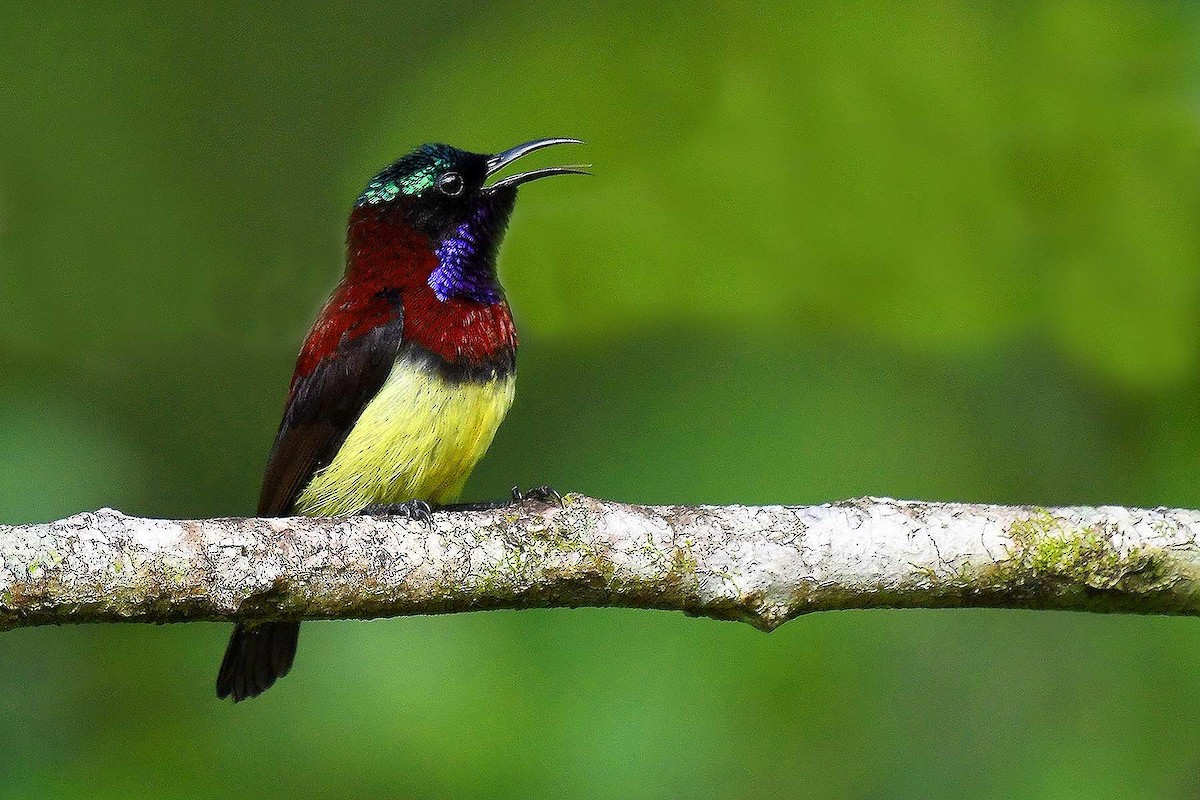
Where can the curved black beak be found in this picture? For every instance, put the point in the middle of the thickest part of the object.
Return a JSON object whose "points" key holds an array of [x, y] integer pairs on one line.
{"points": [[502, 160]]}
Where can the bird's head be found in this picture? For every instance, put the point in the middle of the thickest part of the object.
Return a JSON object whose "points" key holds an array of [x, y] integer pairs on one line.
{"points": [[438, 187], [443, 194]]}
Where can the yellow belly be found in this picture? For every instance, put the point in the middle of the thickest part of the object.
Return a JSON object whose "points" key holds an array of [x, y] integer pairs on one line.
{"points": [[418, 439]]}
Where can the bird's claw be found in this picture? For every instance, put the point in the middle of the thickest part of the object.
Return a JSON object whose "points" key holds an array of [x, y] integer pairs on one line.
{"points": [[416, 510], [541, 494]]}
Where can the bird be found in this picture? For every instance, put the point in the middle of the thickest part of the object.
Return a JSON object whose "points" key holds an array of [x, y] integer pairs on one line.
{"points": [[408, 371]]}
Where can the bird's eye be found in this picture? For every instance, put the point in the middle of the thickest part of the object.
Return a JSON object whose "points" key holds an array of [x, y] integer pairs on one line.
{"points": [[450, 184]]}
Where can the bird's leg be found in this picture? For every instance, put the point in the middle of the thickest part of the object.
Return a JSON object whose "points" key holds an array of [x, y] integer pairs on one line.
{"points": [[541, 494], [416, 510]]}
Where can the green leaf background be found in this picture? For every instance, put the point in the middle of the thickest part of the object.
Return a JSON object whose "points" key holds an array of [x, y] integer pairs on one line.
{"points": [[936, 250]]}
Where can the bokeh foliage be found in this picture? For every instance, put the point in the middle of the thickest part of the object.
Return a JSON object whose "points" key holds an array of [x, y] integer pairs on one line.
{"points": [[945, 250]]}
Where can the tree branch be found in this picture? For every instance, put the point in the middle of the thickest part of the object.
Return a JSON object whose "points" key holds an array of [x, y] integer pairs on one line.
{"points": [[762, 565]]}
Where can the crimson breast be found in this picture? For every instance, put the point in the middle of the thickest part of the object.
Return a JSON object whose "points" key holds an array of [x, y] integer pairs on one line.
{"points": [[457, 330]]}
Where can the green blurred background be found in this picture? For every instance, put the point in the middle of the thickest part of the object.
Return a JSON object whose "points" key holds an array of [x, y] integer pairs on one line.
{"points": [[942, 251]]}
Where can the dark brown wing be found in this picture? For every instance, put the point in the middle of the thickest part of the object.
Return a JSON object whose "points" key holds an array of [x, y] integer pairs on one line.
{"points": [[346, 358], [328, 394]]}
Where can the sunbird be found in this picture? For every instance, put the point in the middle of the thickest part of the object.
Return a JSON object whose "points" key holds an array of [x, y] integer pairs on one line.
{"points": [[408, 371]]}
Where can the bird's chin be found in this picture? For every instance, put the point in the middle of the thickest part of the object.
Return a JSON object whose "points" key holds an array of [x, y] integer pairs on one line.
{"points": [[499, 196], [493, 208]]}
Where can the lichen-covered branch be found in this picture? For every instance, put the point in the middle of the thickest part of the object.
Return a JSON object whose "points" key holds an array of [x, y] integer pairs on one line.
{"points": [[763, 565]]}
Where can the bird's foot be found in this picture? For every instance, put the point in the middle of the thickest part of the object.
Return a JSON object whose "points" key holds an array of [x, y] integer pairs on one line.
{"points": [[540, 494], [416, 510]]}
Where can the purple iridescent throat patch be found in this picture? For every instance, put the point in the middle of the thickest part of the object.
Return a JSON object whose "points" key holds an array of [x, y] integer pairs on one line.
{"points": [[466, 261]]}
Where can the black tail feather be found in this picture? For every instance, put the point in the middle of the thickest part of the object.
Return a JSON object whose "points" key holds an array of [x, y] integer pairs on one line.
{"points": [[256, 657]]}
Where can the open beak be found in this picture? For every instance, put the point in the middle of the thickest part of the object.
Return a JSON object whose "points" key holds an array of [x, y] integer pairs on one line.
{"points": [[502, 160]]}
